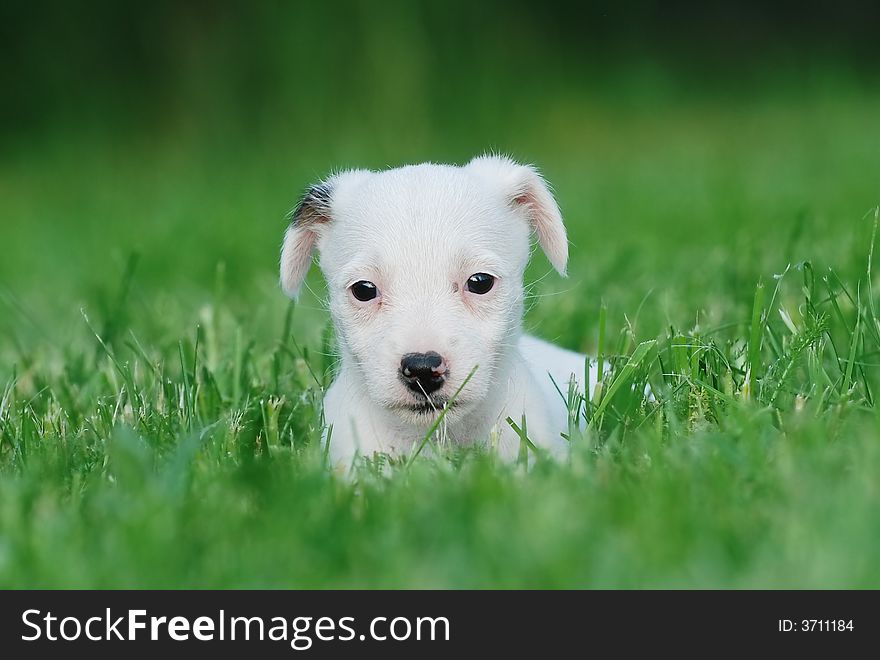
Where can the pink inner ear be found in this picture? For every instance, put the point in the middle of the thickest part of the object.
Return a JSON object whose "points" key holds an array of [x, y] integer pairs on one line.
{"points": [[532, 206], [546, 222], [296, 257]]}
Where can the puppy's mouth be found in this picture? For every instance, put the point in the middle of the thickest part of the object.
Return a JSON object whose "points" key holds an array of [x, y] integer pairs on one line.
{"points": [[426, 407]]}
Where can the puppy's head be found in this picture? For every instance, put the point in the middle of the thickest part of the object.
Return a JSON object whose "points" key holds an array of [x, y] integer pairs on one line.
{"points": [[424, 266]]}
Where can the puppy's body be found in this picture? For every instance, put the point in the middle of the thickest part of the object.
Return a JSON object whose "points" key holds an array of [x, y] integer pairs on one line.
{"points": [[424, 266]]}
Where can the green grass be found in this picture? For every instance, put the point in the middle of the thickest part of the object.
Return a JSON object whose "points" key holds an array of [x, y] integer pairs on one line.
{"points": [[160, 401]]}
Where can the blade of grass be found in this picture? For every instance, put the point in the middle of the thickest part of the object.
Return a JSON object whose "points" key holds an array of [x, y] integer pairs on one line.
{"points": [[756, 332], [441, 417], [628, 370]]}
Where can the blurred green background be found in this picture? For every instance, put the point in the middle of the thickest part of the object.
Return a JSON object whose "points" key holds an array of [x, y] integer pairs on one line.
{"points": [[149, 153], [680, 137]]}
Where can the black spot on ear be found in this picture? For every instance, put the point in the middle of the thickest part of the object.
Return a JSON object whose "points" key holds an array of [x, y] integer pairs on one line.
{"points": [[314, 205]]}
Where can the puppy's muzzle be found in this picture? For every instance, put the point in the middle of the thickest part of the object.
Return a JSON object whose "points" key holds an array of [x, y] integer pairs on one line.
{"points": [[423, 373]]}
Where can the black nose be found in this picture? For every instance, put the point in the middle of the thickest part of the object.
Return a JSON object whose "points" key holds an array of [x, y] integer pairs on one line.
{"points": [[423, 372]]}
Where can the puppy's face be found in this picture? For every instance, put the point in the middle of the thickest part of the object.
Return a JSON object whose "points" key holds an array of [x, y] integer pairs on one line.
{"points": [[424, 266]]}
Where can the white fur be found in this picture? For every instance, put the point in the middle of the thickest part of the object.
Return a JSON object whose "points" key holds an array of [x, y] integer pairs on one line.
{"points": [[418, 233]]}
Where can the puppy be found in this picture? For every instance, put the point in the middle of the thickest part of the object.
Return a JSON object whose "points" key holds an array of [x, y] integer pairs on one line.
{"points": [[424, 266]]}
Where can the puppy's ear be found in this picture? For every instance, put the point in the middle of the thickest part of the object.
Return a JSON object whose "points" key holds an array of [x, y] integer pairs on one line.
{"points": [[299, 239], [525, 189]]}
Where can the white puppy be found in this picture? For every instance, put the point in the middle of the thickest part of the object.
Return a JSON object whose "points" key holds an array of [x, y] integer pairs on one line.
{"points": [[424, 266]]}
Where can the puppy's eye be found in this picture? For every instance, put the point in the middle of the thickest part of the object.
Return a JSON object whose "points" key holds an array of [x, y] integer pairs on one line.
{"points": [[480, 283], [364, 291]]}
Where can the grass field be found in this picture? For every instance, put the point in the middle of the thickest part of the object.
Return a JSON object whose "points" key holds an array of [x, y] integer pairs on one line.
{"points": [[160, 399]]}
